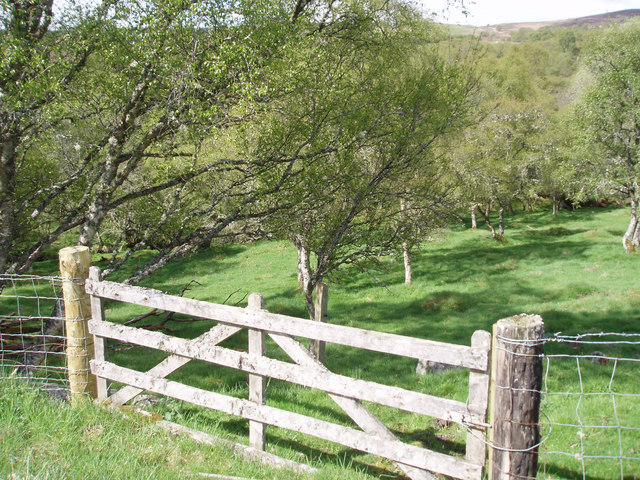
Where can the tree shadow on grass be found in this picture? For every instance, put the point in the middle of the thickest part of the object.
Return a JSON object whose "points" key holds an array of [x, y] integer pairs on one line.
{"points": [[352, 458], [345, 457]]}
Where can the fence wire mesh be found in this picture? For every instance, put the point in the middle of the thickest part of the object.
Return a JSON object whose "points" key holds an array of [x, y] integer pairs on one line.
{"points": [[591, 407], [32, 330]]}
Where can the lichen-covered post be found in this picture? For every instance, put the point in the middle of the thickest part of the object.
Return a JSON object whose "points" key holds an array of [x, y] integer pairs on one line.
{"points": [[74, 270], [515, 389]]}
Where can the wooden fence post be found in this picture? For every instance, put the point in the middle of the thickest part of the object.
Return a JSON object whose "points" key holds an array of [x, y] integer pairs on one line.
{"points": [[100, 344], [479, 384], [257, 383], [516, 381], [317, 347], [74, 270]]}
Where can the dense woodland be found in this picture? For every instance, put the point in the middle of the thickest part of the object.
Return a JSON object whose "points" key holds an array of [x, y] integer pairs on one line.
{"points": [[353, 129]]}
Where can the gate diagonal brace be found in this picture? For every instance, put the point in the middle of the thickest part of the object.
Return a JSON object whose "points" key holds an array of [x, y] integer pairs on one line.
{"points": [[170, 364], [354, 408]]}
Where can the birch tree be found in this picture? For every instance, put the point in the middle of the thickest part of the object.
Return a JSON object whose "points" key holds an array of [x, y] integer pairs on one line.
{"points": [[609, 118], [366, 118], [36, 67], [114, 106], [499, 160]]}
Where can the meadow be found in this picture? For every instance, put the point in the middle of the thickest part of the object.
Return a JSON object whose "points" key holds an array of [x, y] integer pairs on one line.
{"points": [[570, 269]]}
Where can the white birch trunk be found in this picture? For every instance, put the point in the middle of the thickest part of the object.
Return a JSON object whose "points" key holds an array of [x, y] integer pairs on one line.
{"points": [[474, 217], [305, 279], [304, 269], [406, 253], [487, 219], [630, 238]]}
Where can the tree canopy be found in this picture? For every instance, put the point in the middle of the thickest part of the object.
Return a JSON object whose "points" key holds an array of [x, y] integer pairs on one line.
{"points": [[610, 119]]}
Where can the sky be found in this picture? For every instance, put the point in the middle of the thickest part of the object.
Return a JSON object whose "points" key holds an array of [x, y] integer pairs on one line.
{"points": [[489, 12]]}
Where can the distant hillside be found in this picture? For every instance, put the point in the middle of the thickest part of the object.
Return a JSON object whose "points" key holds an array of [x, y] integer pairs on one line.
{"points": [[504, 31]]}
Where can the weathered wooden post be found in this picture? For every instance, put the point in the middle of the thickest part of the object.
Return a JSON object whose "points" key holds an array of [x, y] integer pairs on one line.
{"points": [[257, 384], [516, 381], [100, 344], [74, 270], [479, 385], [317, 347]]}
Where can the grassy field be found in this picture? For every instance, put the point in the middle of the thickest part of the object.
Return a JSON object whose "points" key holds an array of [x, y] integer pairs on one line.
{"points": [[571, 270]]}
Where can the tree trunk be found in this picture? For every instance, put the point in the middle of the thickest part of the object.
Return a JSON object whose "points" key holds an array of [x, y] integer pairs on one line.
{"points": [[474, 218], [308, 299], [555, 205], [95, 217], [304, 267], [7, 189], [406, 251], [486, 215], [305, 277], [97, 210], [630, 238], [501, 222]]}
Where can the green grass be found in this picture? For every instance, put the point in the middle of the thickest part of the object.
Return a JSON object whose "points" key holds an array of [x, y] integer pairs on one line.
{"points": [[571, 270], [49, 439]]}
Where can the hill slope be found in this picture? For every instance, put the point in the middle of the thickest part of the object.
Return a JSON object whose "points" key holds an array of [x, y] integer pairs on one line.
{"points": [[503, 32]]}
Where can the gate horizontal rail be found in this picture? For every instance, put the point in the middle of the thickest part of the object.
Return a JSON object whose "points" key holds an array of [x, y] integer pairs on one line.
{"points": [[345, 391], [450, 354]]}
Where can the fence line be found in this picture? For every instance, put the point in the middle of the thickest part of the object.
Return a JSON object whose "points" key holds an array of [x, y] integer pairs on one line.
{"points": [[32, 330], [602, 437], [589, 425]]}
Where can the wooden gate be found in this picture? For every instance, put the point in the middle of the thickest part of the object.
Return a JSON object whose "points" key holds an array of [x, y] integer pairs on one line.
{"points": [[347, 392]]}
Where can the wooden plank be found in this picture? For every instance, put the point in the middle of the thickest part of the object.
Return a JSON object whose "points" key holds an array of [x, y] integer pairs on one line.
{"points": [[99, 343], [358, 412], [170, 364], [325, 380], [245, 451], [237, 448], [457, 355], [478, 403], [257, 383], [394, 450]]}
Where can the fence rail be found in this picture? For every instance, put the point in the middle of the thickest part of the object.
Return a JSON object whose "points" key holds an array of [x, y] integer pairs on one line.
{"points": [[374, 437]]}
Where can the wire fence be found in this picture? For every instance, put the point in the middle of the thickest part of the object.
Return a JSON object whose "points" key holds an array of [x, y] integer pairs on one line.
{"points": [[589, 418], [590, 414], [32, 331]]}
